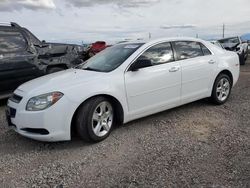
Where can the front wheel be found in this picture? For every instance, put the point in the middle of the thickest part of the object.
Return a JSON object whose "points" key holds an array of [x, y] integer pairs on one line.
{"points": [[94, 120], [221, 89]]}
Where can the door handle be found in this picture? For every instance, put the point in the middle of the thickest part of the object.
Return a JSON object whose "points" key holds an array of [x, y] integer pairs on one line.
{"points": [[1, 56], [174, 69], [211, 62]]}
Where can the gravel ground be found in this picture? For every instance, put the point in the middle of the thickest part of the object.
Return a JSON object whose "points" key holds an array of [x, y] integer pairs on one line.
{"points": [[196, 145]]}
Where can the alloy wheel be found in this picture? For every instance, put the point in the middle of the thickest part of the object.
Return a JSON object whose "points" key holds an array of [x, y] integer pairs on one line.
{"points": [[223, 89], [102, 119]]}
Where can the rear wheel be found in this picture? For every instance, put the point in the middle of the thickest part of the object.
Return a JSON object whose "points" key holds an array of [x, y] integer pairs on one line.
{"points": [[95, 119], [242, 59], [221, 89], [246, 56]]}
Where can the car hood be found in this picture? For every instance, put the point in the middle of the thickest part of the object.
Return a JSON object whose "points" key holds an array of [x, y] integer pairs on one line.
{"points": [[60, 81]]}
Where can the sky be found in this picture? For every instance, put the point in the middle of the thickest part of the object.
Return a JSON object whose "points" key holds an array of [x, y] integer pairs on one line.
{"points": [[85, 21]]}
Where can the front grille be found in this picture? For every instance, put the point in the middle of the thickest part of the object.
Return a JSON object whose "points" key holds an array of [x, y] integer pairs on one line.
{"points": [[12, 112], [16, 98]]}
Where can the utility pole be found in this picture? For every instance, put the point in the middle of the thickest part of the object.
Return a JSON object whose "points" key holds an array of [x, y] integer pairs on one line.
{"points": [[223, 31], [149, 35]]}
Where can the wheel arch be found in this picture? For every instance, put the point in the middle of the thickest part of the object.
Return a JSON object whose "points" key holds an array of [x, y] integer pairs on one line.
{"points": [[228, 73], [225, 71], [119, 111]]}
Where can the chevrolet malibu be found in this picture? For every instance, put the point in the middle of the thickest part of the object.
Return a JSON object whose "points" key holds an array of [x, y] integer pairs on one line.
{"points": [[123, 83]]}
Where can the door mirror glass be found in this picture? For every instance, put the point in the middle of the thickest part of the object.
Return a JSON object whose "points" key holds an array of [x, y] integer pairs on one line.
{"points": [[140, 63]]}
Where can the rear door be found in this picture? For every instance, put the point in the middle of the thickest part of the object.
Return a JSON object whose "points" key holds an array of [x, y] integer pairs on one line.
{"points": [[16, 63], [198, 67]]}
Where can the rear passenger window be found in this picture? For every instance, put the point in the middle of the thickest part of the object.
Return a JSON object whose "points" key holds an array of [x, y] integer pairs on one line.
{"points": [[186, 49], [11, 41], [159, 54], [205, 50]]}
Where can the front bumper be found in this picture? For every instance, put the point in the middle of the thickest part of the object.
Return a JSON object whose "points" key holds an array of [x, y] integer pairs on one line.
{"points": [[50, 125]]}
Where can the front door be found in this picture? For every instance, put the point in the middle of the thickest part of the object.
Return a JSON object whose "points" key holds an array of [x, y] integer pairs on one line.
{"points": [[156, 87]]}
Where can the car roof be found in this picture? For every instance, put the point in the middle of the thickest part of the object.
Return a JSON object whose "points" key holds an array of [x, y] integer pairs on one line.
{"points": [[228, 38], [165, 40]]}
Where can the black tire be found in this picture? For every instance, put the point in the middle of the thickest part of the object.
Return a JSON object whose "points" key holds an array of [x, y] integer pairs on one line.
{"points": [[54, 69], [214, 97], [246, 56], [242, 59], [84, 120]]}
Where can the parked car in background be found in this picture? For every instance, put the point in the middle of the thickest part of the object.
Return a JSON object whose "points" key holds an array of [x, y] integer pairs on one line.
{"points": [[24, 57], [217, 44], [124, 82], [236, 44]]}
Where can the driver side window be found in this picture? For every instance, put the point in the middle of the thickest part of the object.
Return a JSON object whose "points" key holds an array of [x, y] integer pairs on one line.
{"points": [[159, 54]]}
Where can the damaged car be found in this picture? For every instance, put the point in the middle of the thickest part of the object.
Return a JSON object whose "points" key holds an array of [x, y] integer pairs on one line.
{"points": [[24, 57], [237, 45]]}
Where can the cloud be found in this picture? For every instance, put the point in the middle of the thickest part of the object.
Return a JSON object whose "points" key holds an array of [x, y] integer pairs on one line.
{"points": [[120, 3], [178, 27], [10, 5]]}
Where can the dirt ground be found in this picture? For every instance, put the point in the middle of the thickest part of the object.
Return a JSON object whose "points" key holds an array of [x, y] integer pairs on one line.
{"points": [[196, 145]]}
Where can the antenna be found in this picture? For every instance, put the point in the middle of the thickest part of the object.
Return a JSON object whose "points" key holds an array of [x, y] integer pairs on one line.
{"points": [[149, 35]]}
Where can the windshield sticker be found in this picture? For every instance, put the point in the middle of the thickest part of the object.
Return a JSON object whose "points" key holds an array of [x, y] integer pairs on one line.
{"points": [[132, 46]]}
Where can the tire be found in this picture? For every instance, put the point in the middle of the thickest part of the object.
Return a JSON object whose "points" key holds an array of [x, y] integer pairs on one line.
{"points": [[246, 56], [242, 59], [217, 97], [54, 69], [92, 125]]}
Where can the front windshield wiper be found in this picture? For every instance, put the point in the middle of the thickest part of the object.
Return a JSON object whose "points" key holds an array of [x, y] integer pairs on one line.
{"points": [[91, 69]]}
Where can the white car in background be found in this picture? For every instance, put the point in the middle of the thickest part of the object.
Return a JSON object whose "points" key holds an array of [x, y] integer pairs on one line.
{"points": [[237, 45], [217, 44], [123, 83]]}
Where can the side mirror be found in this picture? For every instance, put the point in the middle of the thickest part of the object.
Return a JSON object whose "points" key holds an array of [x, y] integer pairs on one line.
{"points": [[43, 41], [139, 64]]}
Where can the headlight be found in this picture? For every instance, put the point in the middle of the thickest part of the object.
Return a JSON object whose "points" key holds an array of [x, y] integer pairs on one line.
{"points": [[44, 101]]}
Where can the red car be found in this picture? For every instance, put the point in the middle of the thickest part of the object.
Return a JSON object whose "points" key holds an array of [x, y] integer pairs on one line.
{"points": [[97, 47], [93, 49]]}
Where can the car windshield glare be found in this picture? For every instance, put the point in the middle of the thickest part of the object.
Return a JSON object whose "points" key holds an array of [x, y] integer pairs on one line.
{"points": [[111, 58]]}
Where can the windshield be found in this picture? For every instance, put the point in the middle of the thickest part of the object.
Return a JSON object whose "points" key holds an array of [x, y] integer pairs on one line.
{"points": [[111, 58], [229, 42]]}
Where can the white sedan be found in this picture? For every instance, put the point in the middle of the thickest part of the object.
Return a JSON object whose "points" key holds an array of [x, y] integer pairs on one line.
{"points": [[123, 83]]}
